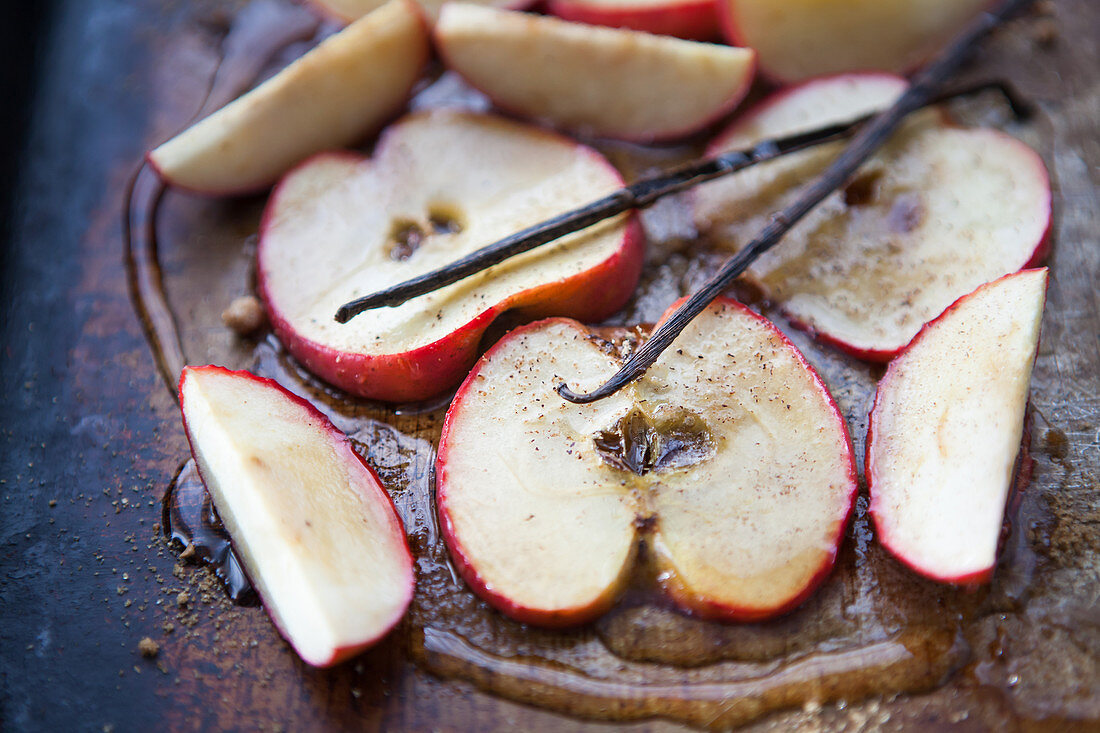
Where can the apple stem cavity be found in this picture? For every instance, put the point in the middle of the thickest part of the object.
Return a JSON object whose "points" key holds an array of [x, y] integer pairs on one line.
{"points": [[867, 139], [640, 195]]}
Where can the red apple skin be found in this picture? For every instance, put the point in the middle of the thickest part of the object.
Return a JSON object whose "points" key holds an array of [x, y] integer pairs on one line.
{"points": [[693, 20], [670, 136], [561, 618], [712, 611], [344, 445], [882, 356], [1023, 471], [726, 10], [430, 370]]}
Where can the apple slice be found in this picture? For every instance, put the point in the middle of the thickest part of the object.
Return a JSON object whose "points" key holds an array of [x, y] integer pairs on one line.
{"points": [[946, 427], [599, 81], [691, 19], [335, 95], [937, 212], [798, 39], [728, 457], [439, 186], [317, 533], [350, 10]]}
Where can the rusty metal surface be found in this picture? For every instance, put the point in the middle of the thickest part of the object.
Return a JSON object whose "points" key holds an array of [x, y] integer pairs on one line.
{"points": [[91, 437]]}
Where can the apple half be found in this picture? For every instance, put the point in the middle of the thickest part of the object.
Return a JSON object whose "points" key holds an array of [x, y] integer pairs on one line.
{"points": [[946, 428], [728, 458], [936, 212], [317, 533], [605, 82], [439, 186], [799, 39], [335, 95], [690, 19]]}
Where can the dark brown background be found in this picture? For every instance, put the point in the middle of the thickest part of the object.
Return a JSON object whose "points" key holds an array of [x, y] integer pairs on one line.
{"points": [[90, 435]]}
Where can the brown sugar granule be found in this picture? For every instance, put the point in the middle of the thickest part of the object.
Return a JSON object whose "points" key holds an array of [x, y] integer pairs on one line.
{"points": [[148, 648], [244, 315]]}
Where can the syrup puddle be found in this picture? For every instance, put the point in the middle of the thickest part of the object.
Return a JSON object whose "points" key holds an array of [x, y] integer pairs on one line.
{"points": [[872, 629], [822, 677], [189, 518]]}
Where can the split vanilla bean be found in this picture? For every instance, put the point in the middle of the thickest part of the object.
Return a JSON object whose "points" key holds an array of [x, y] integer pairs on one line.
{"points": [[866, 141], [635, 196], [868, 135]]}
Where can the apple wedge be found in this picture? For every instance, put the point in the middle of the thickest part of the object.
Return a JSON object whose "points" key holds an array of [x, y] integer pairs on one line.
{"points": [[335, 95], [690, 19], [937, 212], [439, 186], [799, 39], [317, 533], [946, 427], [598, 81], [728, 458], [350, 10]]}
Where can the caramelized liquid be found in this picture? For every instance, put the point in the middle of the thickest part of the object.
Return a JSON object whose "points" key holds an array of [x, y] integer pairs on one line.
{"points": [[872, 629], [190, 519]]}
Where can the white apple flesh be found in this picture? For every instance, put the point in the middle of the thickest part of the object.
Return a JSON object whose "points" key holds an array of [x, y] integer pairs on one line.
{"points": [[690, 19], [334, 96], [350, 10], [946, 428], [598, 81], [937, 212], [799, 39], [728, 457], [439, 186], [316, 532]]}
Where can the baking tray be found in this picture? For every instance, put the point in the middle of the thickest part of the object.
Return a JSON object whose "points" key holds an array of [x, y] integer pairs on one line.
{"points": [[91, 439]]}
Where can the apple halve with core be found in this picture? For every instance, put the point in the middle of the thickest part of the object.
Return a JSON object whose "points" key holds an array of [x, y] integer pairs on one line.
{"points": [[317, 533], [439, 186], [946, 428], [599, 81], [728, 458], [936, 212], [691, 19], [798, 39], [337, 94], [350, 10]]}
